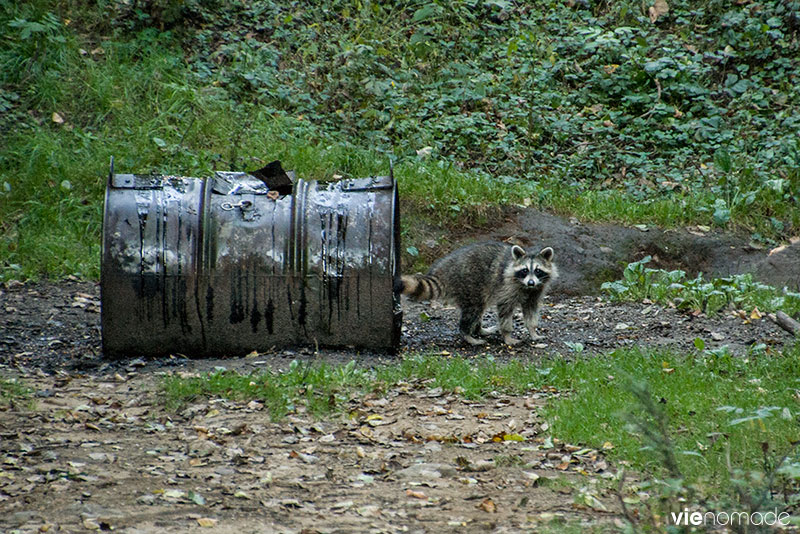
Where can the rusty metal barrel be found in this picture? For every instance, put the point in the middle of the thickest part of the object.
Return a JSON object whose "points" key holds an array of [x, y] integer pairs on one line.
{"points": [[223, 266]]}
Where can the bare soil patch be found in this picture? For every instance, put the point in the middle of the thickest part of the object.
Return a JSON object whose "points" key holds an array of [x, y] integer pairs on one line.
{"points": [[99, 453], [54, 327], [589, 254]]}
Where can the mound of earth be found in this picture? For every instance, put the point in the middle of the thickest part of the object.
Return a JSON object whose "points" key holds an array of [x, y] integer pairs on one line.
{"points": [[590, 254]]}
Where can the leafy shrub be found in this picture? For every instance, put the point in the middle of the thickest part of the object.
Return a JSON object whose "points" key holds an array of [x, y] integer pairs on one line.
{"points": [[673, 287]]}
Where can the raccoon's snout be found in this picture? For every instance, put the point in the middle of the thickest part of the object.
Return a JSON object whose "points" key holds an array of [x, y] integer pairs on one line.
{"points": [[533, 283]]}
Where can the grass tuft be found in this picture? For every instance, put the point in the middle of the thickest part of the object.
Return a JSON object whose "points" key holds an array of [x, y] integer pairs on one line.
{"points": [[13, 393]]}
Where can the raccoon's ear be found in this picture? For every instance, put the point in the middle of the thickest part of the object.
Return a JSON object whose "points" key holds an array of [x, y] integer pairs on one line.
{"points": [[547, 253], [517, 252]]}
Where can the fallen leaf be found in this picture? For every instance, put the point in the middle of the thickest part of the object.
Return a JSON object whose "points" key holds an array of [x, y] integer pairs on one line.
{"points": [[416, 494], [173, 494], [589, 498], [503, 436], [58, 119], [755, 314], [776, 250], [657, 10], [91, 523], [206, 522], [488, 505]]}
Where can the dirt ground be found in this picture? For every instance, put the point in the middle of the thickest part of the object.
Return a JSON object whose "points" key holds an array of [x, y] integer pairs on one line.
{"points": [[98, 452]]}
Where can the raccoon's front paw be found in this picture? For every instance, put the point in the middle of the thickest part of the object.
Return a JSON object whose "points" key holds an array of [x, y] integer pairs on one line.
{"points": [[508, 339], [536, 337], [473, 340], [489, 331]]}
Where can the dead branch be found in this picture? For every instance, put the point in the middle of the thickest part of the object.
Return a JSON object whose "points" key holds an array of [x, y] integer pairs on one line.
{"points": [[784, 321]]}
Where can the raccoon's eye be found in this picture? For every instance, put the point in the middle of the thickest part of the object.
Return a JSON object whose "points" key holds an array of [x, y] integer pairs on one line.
{"points": [[539, 273], [522, 273]]}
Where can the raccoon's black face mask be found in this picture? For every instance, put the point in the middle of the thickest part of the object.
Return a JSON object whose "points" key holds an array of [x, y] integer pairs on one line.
{"points": [[532, 271]]}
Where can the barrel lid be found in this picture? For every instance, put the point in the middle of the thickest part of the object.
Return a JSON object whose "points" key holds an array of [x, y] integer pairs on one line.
{"points": [[373, 183]]}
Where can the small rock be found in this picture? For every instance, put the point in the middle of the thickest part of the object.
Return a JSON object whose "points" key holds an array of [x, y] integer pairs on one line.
{"points": [[234, 452], [365, 478], [344, 505], [21, 518], [225, 470], [530, 475], [432, 446], [147, 499], [716, 336], [201, 448], [425, 470]]}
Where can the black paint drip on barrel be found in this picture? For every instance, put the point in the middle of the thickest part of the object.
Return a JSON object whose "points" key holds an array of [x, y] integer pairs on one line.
{"points": [[210, 304], [268, 316], [255, 316], [237, 304]]}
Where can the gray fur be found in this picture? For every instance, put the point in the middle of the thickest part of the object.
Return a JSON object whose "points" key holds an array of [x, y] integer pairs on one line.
{"points": [[486, 274]]}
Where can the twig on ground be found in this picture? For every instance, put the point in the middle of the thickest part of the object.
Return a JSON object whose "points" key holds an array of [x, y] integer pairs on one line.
{"points": [[784, 321]]}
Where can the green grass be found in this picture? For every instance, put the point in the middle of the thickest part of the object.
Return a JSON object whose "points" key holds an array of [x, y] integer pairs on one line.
{"points": [[13, 392], [320, 389], [739, 400], [519, 104]]}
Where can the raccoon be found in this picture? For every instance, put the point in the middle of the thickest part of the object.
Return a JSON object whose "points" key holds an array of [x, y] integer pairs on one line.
{"points": [[483, 274]]}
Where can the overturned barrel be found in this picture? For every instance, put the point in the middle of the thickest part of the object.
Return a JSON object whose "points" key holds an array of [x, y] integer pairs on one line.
{"points": [[223, 265]]}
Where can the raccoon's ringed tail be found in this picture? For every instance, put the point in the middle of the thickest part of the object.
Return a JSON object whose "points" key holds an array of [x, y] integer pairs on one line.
{"points": [[420, 287]]}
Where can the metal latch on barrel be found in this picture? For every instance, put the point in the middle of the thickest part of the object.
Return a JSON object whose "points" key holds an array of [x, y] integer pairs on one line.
{"points": [[247, 208]]}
